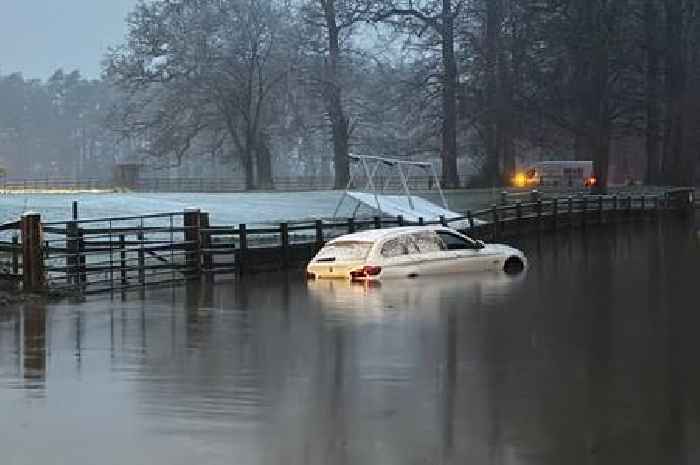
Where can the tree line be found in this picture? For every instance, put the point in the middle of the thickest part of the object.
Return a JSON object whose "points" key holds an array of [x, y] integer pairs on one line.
{"points": [[480, 86], [55, 128]]}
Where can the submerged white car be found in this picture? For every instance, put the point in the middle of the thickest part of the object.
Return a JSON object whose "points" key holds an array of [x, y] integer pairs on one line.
{"points": [[410, 252]]}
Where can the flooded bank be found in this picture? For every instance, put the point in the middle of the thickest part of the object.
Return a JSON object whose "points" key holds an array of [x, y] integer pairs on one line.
{"points": [[588, 357]]}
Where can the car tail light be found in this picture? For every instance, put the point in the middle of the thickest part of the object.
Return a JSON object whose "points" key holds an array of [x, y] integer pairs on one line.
{"points": [[372, 270], [365, 272], [310, 275]]}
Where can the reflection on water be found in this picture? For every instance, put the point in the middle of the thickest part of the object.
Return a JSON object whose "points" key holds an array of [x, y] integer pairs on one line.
{"points": [[589, 357]]}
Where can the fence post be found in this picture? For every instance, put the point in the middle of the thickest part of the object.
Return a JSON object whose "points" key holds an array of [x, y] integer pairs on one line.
{"points": [[601, 220], [72, 261], [82, 259], [192, 239], [15, 255], [32, 257], [351, 225], [205, 244], [319, 234], [584, 211], [377, 222], [75, 209], [443, 220], [518, 217], [284, 239], [494, 214], [242, 248], [616, 213], [421, 221], [400, 220], [629, 206], [656, 207], [122, 259], [141, 259], [539, 216], [470, 220]]}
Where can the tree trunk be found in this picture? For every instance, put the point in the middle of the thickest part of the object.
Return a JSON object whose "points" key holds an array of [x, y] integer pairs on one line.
{"points": [[264, 162], [341, 162], [247, 160], [340, 126], [582, 78], [652, 94], [674, 163], [505, 106], [600, 117], [448, 153], [601, 159], [492, 137]]}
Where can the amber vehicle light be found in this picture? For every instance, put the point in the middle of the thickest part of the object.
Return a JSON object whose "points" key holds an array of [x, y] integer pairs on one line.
{"points": [[520, 180]]}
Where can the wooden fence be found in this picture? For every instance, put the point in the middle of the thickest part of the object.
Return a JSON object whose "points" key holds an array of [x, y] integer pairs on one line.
{"points": [[11, 263], [111, 254], [280, 183], [10, 185]]}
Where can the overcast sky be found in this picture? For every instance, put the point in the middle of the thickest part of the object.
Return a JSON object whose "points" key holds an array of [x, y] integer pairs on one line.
{"points": [[39, 36]]}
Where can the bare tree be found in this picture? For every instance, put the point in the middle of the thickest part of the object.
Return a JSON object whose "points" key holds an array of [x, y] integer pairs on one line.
{"points": [[439, 18], [205, 67], [651, 44], [334, 18]]}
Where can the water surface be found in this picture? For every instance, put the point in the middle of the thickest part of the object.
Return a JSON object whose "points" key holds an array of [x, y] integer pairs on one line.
{"points": [[590, 357]]}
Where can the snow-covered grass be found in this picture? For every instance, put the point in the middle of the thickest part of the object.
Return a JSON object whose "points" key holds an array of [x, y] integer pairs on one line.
{"points": [[224, 209]]}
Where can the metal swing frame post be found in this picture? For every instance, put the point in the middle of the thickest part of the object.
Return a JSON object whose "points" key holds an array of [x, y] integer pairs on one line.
{"points": [[439, 187], [394, 164]]}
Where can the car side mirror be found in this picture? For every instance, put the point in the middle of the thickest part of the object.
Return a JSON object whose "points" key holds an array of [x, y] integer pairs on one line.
{"points": [[480, 244]]}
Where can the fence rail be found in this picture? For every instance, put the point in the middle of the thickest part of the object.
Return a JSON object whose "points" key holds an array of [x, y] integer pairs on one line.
{"points": [[10, 185], [281, 183], [110, 254]]}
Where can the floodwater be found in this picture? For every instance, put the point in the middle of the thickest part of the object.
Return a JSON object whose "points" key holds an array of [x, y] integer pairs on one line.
{"points": [[590, 357]]}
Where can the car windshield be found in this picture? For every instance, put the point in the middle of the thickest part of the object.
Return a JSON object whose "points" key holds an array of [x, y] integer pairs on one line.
{"points": [[344, 251], [455, 242]]}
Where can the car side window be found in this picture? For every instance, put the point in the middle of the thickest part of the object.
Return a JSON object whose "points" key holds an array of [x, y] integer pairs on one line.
{"points": [[411, 245], [394, 248], [428, 242], [454, 242]]}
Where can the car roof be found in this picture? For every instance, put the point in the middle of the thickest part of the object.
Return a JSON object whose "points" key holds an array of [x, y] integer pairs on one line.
{"points": [[563, 162], [375, 235]]}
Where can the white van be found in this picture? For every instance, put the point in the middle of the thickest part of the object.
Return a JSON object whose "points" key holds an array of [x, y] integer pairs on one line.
{"points": [[410, 252], [573, 174]]}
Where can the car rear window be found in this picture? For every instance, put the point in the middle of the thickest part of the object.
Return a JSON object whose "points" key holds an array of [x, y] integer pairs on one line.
{"points": [[344, 251]]}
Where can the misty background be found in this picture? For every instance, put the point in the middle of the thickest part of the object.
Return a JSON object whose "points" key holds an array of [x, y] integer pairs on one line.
{"points": [[262, 90], [41, 36]]}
